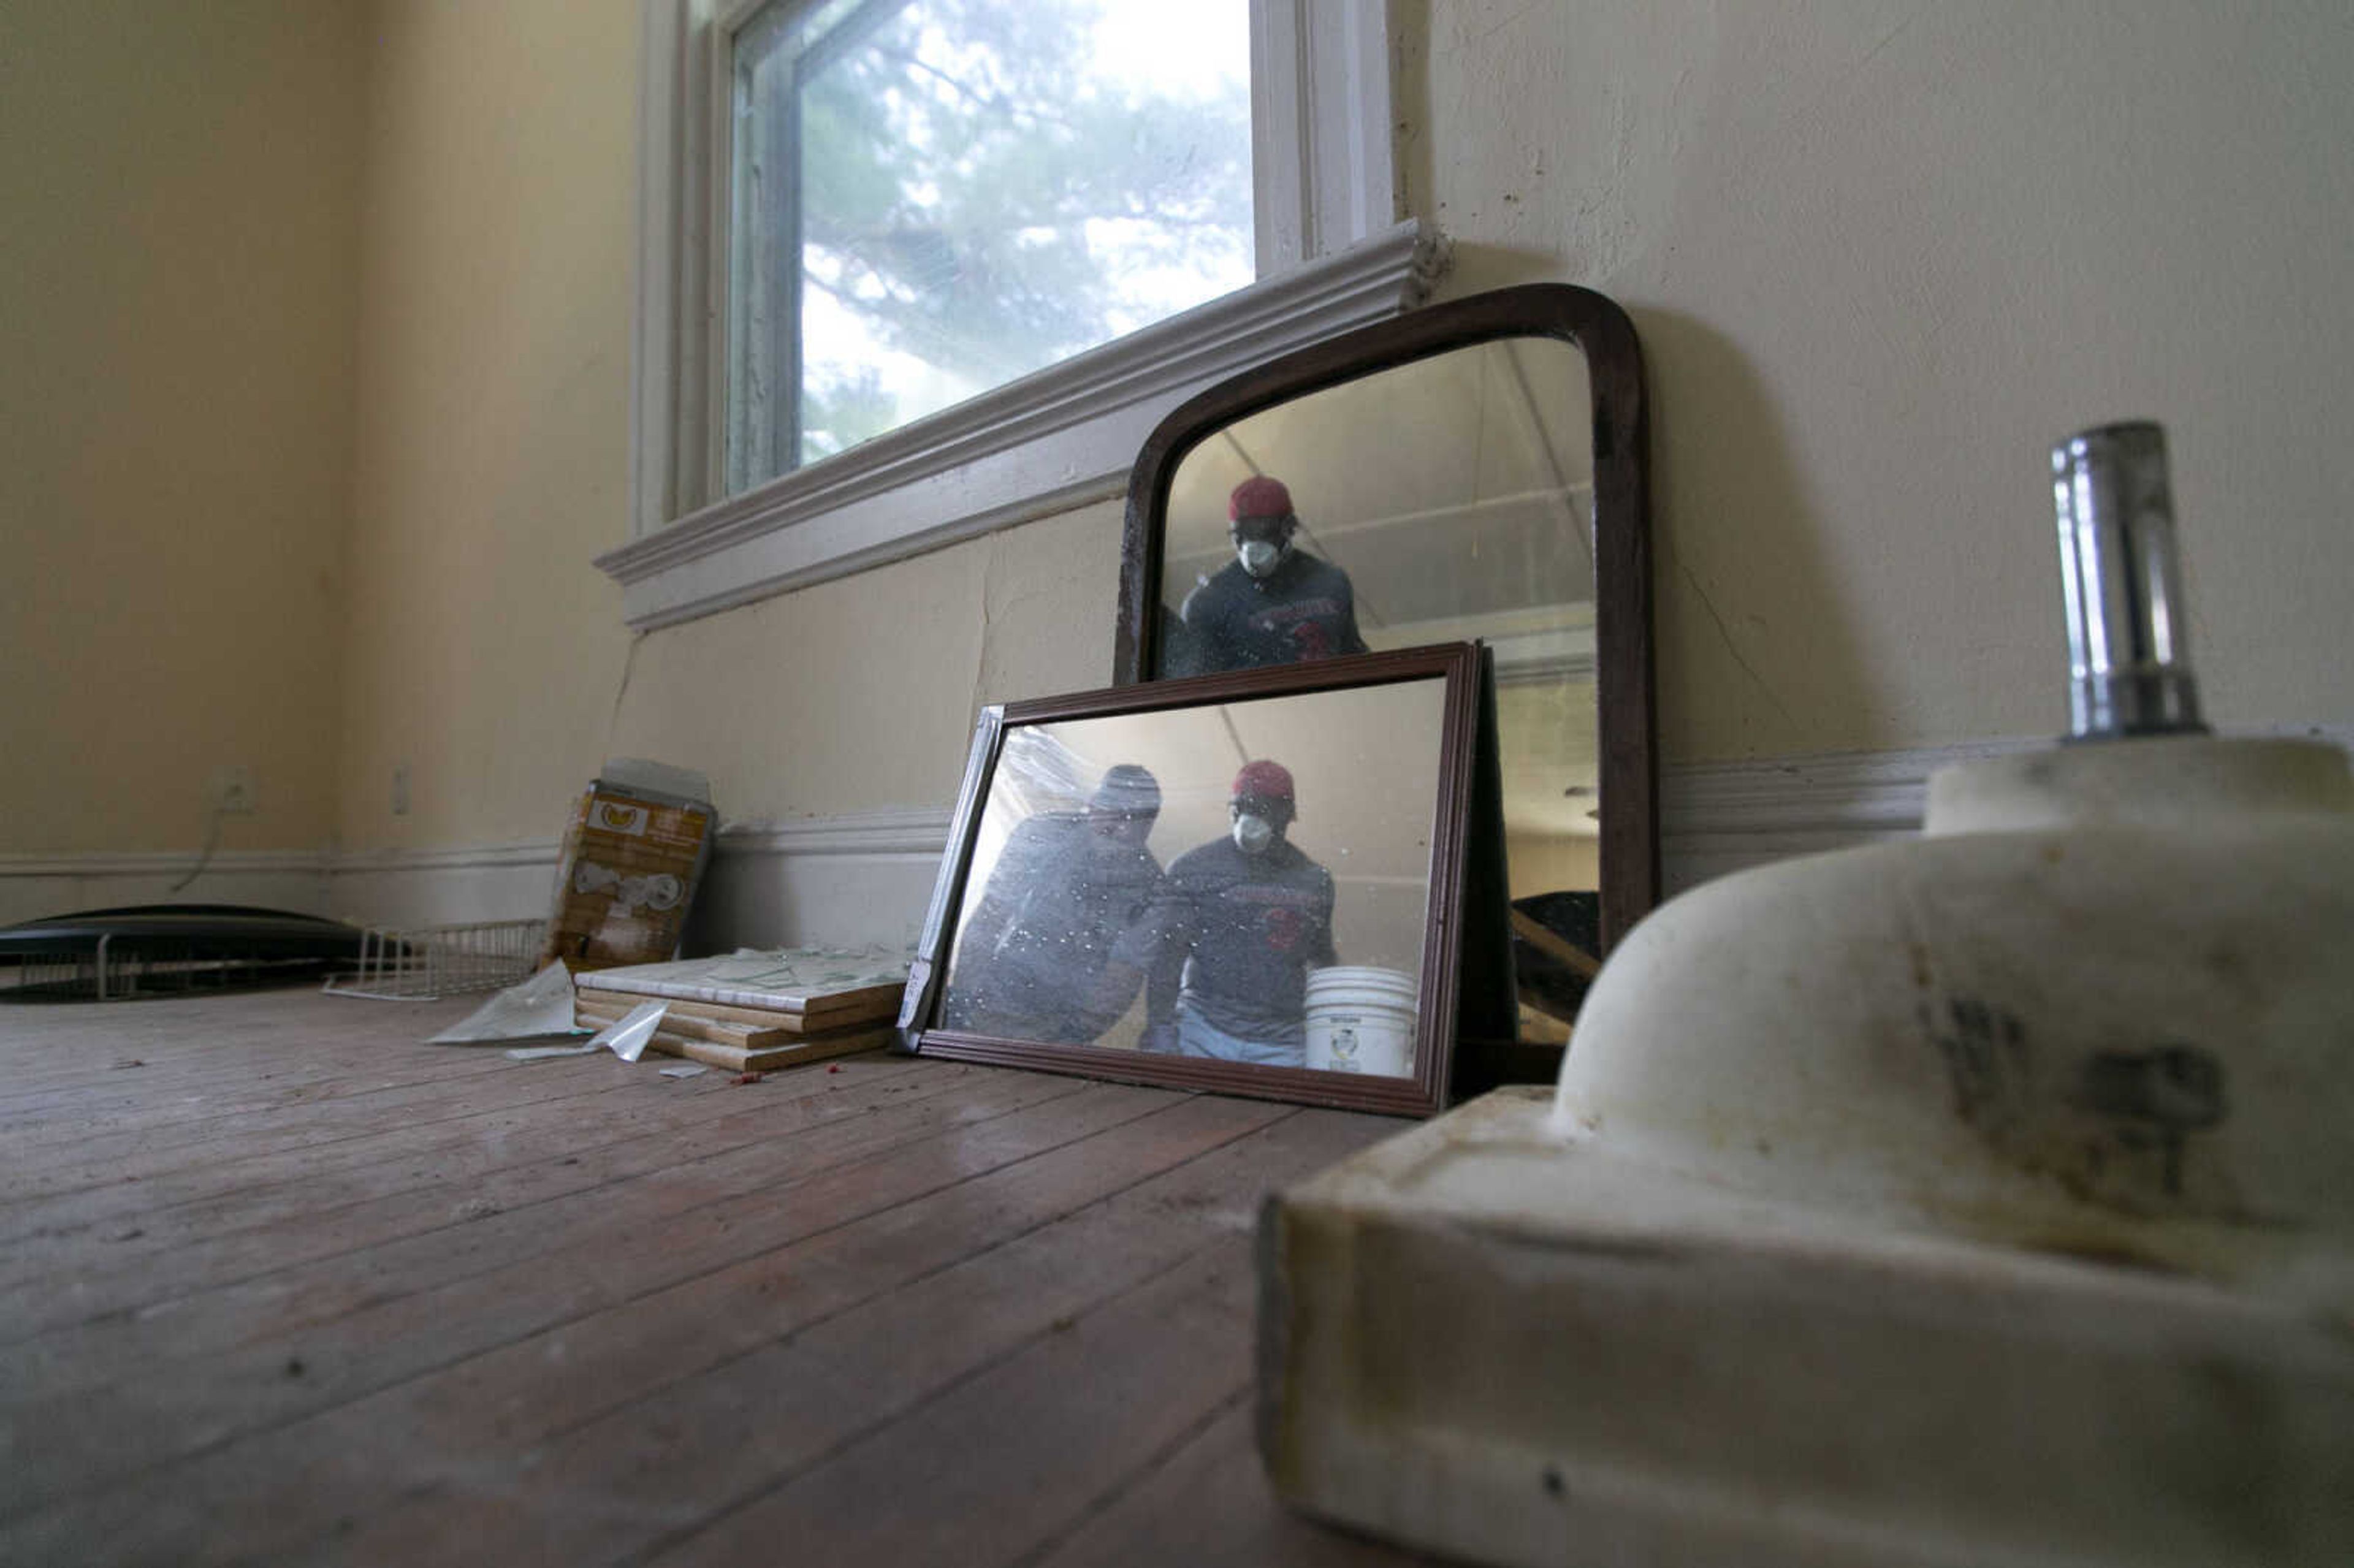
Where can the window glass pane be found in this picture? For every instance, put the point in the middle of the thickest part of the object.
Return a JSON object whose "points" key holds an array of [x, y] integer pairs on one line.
{"points": [[933, 198]]}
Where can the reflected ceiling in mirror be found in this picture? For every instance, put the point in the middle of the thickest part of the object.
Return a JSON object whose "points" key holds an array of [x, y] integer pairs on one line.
{"points": [[1474, 520], [1471, 472]]}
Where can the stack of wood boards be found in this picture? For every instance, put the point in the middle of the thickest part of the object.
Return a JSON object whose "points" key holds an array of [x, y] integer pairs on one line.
{"points": [[755, 1011]]}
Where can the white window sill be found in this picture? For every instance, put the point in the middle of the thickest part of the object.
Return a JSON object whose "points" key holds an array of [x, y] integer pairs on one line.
{"points": [[1052, 441]]}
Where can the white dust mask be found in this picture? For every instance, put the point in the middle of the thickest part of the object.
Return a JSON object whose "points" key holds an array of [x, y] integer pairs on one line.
{"points": [[1259, 557], [1253, 835]]}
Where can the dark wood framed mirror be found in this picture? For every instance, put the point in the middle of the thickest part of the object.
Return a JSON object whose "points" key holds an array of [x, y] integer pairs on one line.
{"points": [[1474, 469], [1181, 883]]}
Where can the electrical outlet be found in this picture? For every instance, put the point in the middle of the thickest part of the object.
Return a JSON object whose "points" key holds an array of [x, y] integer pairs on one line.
{"points": [[232, 791], [400, 788]]}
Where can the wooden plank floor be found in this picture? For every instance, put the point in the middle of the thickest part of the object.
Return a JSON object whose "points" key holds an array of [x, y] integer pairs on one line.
{"points": [[279, 1284]]}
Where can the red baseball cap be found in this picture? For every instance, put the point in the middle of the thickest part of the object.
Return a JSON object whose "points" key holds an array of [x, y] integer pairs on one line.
{"points": [[1264, 781], [1259, 497]]}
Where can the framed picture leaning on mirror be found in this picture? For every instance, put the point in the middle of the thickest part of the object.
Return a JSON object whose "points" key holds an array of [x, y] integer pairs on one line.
{"points": [[1471, 470], [1249, 883]]}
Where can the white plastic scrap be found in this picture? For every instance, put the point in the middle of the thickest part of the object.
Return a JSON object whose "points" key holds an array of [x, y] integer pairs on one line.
{"points": [[685, 1070], [541, 1053], [627, 1038], [541, 1005]]}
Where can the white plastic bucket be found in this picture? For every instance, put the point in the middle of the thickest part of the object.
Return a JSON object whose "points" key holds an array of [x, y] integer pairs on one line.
{"points": [[1360, 1021]]}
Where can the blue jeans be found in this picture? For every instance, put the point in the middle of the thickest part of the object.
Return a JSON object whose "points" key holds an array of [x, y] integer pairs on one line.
{"points": [[1198, 1037]]}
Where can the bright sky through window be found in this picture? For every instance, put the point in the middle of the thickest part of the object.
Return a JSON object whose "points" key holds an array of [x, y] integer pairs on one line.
{"points": [[933, 198]]}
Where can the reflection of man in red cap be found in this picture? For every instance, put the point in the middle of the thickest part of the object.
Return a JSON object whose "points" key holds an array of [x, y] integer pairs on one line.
{"points": [[1238, 923], [1272, 604]]}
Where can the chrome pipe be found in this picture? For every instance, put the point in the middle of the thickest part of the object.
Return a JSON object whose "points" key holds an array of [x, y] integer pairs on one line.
{"points": [[2128, 637]]}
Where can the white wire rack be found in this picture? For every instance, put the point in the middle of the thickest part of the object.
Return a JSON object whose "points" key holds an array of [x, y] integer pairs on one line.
{"points": [[144, 968], [429, 961]]}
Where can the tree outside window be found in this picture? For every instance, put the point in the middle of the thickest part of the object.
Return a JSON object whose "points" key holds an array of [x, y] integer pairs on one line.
{"points": [[933, 198]]}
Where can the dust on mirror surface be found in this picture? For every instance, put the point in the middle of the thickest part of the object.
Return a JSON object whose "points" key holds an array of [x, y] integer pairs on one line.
{"points": [[1243, 882], [1446, 499]]}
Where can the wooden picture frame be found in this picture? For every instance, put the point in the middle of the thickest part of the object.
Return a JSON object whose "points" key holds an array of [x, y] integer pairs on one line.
{"points": [[1363, 776]]}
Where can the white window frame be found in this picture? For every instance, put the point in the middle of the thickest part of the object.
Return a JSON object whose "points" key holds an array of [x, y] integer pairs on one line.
{"points": [[1331, 255]]}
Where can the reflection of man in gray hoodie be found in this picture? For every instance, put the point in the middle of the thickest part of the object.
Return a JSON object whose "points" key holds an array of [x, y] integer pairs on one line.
{"points": [[1030, 962]]}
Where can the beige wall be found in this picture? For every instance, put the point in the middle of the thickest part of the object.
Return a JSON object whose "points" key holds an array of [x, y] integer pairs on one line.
{"points": [[177, 310], [861, 693], [484, 652], [1879, 259], [1876, 267]]}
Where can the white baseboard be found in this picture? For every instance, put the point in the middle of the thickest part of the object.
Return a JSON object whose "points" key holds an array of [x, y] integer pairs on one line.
{"points": [[1721, 817], [409, 888], [33, 885], [821, 881], [859, 877], [864, 876], [867, 877]]}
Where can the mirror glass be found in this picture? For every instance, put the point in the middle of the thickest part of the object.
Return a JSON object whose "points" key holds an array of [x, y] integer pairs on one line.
{"points": [[1451, 497], [1245, 881]]}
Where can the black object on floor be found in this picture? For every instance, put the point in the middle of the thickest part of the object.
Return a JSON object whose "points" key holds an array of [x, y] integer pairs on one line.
{"points": [[167, 949]]}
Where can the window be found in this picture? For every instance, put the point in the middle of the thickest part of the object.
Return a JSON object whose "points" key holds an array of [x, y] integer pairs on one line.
{"points": [[911, 270], [931, 198]]}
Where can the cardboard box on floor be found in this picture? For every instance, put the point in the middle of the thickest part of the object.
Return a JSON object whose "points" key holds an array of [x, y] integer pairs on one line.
{"points": [[634, 855]]}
